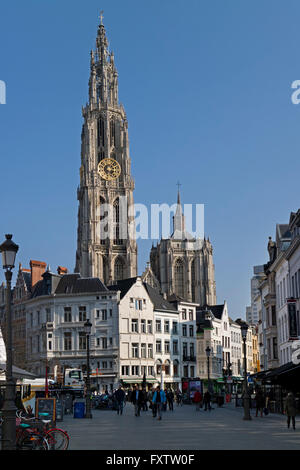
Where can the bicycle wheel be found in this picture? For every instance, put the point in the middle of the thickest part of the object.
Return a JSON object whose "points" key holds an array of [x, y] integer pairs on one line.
{"points": [[57, 439], [33, 442]]}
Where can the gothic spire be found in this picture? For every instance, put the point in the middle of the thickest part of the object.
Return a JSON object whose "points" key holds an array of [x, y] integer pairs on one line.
{"points": [[178, 219], [103, 83]]}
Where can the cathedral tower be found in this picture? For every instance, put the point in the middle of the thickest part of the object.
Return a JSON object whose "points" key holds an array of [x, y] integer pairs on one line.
{"points": [[106, 245]]}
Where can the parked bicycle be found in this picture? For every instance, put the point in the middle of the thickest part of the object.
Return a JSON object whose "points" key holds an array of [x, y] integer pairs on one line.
{"points": [[58, 439]]}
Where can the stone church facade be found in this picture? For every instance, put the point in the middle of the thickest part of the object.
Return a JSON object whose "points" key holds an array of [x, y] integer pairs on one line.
{"points": [[183, 265], [106, 245]]}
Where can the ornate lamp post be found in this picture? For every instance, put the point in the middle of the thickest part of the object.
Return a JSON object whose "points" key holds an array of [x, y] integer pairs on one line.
{"points": [[246, 396], [9, 250], [87, 329], [208, 351]]}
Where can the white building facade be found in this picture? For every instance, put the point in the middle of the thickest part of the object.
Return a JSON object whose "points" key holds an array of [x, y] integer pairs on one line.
{"points": [[55, 317]]}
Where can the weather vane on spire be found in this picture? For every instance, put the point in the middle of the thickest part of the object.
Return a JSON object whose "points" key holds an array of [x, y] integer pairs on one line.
{"points": [[101, 17], [178, 184]]}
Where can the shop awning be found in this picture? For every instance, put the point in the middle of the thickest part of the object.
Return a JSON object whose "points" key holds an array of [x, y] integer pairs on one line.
{"points": [[139, 381], [16, 372]]}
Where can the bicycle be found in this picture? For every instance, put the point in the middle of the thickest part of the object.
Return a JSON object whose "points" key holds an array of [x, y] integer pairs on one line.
{"points": [[28, 438], [57, 438]]}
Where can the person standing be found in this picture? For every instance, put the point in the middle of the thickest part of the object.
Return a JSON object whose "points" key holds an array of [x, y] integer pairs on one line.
{"points": [[197, 400], [170, 398], [179, 398], [206, 400], [260, 402], [120, 397], [144, 405], [159, 399], [291, 409], [137, 400], [151, 404]]}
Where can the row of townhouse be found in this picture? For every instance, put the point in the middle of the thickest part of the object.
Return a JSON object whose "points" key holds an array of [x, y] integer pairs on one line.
{"points": [[278, 297], [218, 332], [136, 333]]}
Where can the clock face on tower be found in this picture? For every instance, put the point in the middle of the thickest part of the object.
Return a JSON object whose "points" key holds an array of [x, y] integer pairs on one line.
{"points": [[109, 169]]}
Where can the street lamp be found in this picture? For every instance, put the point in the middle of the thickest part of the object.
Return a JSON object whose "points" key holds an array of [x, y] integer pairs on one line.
{"points": [[208, 351], [87, 329], [246, 397], [9, 250]]}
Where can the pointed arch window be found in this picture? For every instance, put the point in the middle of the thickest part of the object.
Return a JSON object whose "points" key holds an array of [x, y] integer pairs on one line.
{"points": [[100, 132], [116, 219], [101, 155], [193, 279], [104, 270], [99, 91], [118, 269], [112, 130], [103, 222], [179, 277]]}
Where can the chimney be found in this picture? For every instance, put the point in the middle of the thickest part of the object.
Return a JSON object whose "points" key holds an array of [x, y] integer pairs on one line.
{"points": [[37, 268], [61, 270]]}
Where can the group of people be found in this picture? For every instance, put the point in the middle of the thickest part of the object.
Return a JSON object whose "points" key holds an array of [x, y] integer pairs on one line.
{"points": [[200, 402], [156, 399], [290, 406]]}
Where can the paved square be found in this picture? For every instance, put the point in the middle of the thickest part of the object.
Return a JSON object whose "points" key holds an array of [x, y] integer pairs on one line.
{"points": [[185, 428]]}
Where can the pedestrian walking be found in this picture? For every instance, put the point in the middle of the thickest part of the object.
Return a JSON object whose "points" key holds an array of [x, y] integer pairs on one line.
{"points": [[159, 399], [291, 409], [179, 398], [137, 400], [164, 407], [197, 399], [144, 404], [120, 398], [152, 405], [170, 399], [206, 400], [260, 402]]}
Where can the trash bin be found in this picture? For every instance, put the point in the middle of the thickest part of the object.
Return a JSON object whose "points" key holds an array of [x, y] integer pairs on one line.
{"points": [[79, 409]]}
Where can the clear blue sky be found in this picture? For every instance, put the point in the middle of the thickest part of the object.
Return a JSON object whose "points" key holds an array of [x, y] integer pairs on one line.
{"points": [[207, 90]]}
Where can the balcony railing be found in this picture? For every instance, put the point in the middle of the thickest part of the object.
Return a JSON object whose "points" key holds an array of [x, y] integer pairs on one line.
{"points": [[189, 358]]}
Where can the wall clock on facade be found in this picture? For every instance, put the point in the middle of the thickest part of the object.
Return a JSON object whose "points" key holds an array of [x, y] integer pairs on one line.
{"points": [[109, 169]]}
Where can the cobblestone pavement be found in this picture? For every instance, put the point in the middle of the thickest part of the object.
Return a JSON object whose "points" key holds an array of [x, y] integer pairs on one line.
{"points": [[185, 428]]}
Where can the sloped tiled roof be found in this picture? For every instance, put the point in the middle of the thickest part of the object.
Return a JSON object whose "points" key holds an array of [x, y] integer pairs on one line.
{"points": [[124, 285], [74, 284], [217, 310], [158, 300], [39, 289]]}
